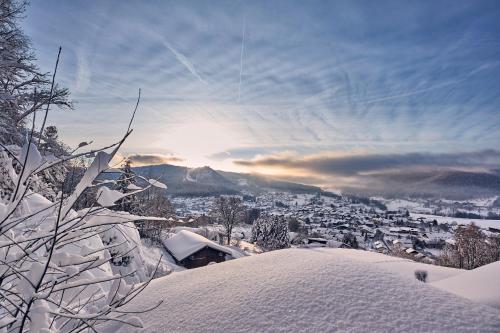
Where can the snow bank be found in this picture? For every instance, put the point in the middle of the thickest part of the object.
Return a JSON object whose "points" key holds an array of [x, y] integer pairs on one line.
{"points": [[403, 267], [314, 290], [481, 284]]}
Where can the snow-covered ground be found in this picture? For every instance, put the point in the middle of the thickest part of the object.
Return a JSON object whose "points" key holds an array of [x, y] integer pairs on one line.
{"points": [[463, 221], [314, 290], [481, 284]]}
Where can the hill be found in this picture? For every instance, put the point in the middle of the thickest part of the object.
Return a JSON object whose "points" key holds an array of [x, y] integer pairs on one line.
{"points": [[205, 181], [316, 290], [478, 284]]}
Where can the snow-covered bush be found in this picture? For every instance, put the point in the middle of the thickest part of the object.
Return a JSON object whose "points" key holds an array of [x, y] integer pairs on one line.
{"points": [[56, 270], [271, 233], [59, 267]]}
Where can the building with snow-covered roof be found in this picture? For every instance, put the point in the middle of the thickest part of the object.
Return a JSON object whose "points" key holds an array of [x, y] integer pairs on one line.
{"points": [[192, 250]]}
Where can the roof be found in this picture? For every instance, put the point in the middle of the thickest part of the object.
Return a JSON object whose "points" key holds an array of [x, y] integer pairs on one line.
{"points": [[316, 239], [185, 243]]}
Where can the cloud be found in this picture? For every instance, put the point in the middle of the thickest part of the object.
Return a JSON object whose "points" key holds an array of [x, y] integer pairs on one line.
{"points": [[351, 79], [151, 159], [351, 165], [83, 73], [241, 57]]}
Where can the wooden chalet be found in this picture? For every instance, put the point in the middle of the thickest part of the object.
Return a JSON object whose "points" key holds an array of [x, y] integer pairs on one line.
{"points": [[192, 250]]}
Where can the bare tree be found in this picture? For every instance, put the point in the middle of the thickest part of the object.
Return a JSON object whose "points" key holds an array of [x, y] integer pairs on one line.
{"points": [[153, 203], [470, 248], [228, 211]]}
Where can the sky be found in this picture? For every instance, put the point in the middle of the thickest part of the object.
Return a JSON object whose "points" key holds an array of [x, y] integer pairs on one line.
{"points": [[301, 89]]}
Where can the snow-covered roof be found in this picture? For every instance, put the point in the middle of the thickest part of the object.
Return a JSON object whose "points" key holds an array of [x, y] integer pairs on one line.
{"points": [[450, 241], [317, 239], [185, 243]]}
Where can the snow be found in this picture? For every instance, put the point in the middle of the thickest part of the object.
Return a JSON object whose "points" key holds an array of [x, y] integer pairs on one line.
{"points": [[482, 223], [132, 186], [107, 197], [481, 284], [184, 243], [158, 184], [80, 269], [314, 290]]}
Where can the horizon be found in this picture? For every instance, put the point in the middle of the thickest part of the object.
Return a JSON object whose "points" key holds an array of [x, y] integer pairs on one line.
{"points": [[320, 93]]}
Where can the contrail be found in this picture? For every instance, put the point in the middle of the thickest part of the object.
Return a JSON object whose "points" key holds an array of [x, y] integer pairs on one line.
{"points": [[184, 61], [241, 57], [435, 87], [414, 92]]}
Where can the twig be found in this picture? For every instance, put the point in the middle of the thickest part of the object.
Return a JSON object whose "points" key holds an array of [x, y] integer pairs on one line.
{"points": [[50, 96]]}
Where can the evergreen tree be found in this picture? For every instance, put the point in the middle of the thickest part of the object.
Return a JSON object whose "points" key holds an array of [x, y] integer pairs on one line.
{"points": [[271, 233], [350, 240], [126, 184]]}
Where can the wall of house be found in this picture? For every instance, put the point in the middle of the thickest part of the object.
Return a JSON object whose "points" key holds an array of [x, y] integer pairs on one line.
{"points": [[203, 257]]}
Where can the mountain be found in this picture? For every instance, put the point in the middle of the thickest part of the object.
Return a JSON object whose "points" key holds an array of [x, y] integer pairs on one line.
{"points": [[449, 183], [205, 181]]}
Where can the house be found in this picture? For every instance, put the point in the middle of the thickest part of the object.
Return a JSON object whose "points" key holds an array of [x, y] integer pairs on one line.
{"points": [[411, 251], [192, 250], [379, 246], [321, 241], [491, 229]]}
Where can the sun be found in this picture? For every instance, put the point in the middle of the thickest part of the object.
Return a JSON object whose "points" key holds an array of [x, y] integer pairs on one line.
{"points": [[196, 141]]}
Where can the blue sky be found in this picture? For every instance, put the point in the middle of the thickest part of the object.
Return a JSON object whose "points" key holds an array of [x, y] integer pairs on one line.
{"points": [[233, 81]]}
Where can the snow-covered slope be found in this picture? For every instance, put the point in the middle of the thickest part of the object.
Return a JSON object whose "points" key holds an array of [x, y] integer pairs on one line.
{"points": [[481, 284], [314, 290]]}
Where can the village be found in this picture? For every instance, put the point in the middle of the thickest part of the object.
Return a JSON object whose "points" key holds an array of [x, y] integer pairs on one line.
{"points": [[327, 221]]}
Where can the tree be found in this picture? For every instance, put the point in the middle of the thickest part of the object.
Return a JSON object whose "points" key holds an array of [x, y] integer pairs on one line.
{"points": [[126, 184], [153, 203], [228, 211], [271, 233], [55, 262], [251, 215], [293, 224], [24, 89], [60, 279], [470, 248], [350, 240]]}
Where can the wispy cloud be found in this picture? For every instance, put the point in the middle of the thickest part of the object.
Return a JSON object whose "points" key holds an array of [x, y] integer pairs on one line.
{"points": [[83, 72], [241, 56], [321, 76]]}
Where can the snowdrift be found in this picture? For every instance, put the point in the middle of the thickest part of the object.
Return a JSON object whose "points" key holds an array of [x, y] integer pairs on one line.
{"points": [[316, 290], [481, 285]]}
